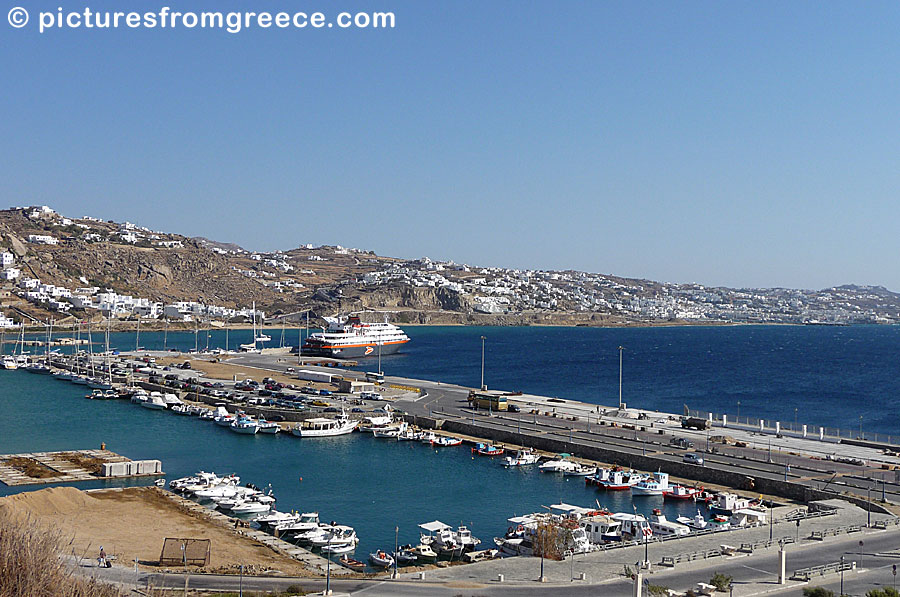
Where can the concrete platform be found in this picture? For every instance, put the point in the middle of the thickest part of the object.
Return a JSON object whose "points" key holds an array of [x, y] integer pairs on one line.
{"points": [[67, 471]]}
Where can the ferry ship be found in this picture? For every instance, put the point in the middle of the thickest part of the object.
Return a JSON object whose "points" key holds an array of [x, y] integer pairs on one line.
{"points": [[353, 339]]}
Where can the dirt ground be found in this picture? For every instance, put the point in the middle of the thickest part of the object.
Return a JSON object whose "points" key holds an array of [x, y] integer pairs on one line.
{"points": [[227, 371], [132, 523]]}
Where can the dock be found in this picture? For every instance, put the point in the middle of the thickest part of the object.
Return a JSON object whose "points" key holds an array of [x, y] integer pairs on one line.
{"points": [[34, 468]]}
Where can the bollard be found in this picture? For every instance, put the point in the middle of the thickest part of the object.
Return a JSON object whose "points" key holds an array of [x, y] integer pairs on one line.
{"points": [[582, 576], [724, 420], [422, 575], [782, 568], [777, 427], [821, 433], [761, 424], [804, 430], [499, 578], [102, 445], [638, 584]]}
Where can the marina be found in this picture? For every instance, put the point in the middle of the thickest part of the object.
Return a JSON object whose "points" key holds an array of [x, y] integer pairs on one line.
{"points": [[619, 504]]}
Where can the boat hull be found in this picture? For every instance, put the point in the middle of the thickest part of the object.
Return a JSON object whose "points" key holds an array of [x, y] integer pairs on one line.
{"points": [[353, 352]]}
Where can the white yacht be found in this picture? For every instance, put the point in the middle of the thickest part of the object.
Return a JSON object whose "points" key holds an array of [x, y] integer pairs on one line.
{"points": [[155, 401], [522, 458], [698, 523], [319, 427], [560, 465]]}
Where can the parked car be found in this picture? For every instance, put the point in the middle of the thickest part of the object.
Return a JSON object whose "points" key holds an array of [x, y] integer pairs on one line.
{"points": [[513, 408], [693, 458]]}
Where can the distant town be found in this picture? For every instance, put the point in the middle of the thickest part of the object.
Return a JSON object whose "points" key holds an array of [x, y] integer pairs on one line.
{"points": [[43, 249]]}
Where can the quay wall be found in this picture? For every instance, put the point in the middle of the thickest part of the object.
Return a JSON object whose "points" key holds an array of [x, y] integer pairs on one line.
{"points": [[704, 474]]}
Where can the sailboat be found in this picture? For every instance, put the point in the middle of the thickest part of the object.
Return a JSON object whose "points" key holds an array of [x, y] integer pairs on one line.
{"points": [[251, 347]]}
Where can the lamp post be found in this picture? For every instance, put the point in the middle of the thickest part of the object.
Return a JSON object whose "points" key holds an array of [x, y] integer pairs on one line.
{"points": [[860, 427], [795, 419], [621, 348], [328, 568], [396, 547], [482, 362], [842, 576], [739, 412]]}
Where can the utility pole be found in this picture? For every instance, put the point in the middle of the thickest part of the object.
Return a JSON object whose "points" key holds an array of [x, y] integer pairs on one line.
{"points": [[621, 348], [482, 364]]}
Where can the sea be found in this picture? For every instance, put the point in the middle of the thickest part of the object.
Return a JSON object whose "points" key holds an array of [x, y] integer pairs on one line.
{"points": [[821, 375]]}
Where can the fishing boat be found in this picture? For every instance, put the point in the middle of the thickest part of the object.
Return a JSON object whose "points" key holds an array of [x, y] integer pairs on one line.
{"points": [[483, 449], [698, 523], [523, 457], [633, 526], [381, 559], [654, 485], [680, 492], [245, 425], [409, 435], [391, 432], [405, 557], [446, 442], [321, 427], [352, 564], [224, 419], [424, 553], [181, 409], [270, 427], [666, 528], [428, 437], [727, 503], [621, 481]]}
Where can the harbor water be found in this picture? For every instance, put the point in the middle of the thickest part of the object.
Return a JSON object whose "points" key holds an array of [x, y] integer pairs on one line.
{"points": [[830, 375], [371, 484]]}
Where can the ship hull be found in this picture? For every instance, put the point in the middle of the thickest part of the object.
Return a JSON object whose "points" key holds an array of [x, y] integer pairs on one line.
{"points": [[353, 352]]}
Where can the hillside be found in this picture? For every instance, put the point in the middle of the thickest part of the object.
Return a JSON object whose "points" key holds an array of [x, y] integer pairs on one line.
{"points": [[75, 261]]}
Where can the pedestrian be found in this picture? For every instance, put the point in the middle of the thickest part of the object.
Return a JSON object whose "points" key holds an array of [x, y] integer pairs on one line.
{"points": [[101, 561]]}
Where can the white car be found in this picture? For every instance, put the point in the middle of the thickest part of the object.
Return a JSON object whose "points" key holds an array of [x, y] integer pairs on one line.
{"points": [[693, 458]]}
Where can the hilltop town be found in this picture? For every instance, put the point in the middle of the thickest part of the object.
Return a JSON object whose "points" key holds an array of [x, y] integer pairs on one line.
{"points": [[61, 267]]}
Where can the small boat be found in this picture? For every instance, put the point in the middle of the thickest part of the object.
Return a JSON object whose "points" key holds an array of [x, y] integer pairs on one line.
{"points": [[580, 470], [274, 518], [405, 557], [181, 409], [427, 437], [9, 362], [621, 480], [352, 564], [381, 559], [446, 442], [154, 402], [321, 427], [522, 458], [560, 465], [245, 425], [698, 523], [409, 435], [259, 503], [483, 449], [654, 485], [208, 415], [160, 482], [270, 427], [340, 548], [680, 492], [389, 432], [336, 535], [424, 553], [666, 528], [224, 420]]}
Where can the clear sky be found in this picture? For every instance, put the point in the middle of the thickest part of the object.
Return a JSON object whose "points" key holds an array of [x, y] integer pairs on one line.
{"points": [[732, 143]]}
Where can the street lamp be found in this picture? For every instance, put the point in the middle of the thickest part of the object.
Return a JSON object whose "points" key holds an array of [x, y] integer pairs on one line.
{"points": [[795, 419], [739, 411], [396, 548], [842, 576], [860, 427], [328, 567], [482, 362], [621, 348]]}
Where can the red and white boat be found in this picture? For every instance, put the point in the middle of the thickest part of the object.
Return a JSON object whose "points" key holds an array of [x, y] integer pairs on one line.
{"points": [[680, 492], [487, 450], [621, 481]]}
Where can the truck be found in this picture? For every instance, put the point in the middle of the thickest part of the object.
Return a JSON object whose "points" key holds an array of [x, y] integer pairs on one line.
{"points": [[319, 376], [695, 423]]}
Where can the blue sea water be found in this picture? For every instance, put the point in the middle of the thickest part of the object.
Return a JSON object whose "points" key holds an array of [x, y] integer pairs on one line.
{"points": [[832, 375]]}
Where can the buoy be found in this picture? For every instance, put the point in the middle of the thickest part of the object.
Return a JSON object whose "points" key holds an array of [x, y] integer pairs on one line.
{"points": [[102, 445], [301, 479]]}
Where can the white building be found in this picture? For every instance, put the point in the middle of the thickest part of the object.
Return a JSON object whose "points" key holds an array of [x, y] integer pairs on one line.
{"points": [[42, 239], [7, 259], [10, 273]]}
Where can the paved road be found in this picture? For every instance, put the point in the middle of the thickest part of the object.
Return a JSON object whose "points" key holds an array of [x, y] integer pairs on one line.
{"points": [[765, 456]]}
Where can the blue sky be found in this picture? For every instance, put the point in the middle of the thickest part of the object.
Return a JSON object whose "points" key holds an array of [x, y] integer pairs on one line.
{"points": [[732, 143]]}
